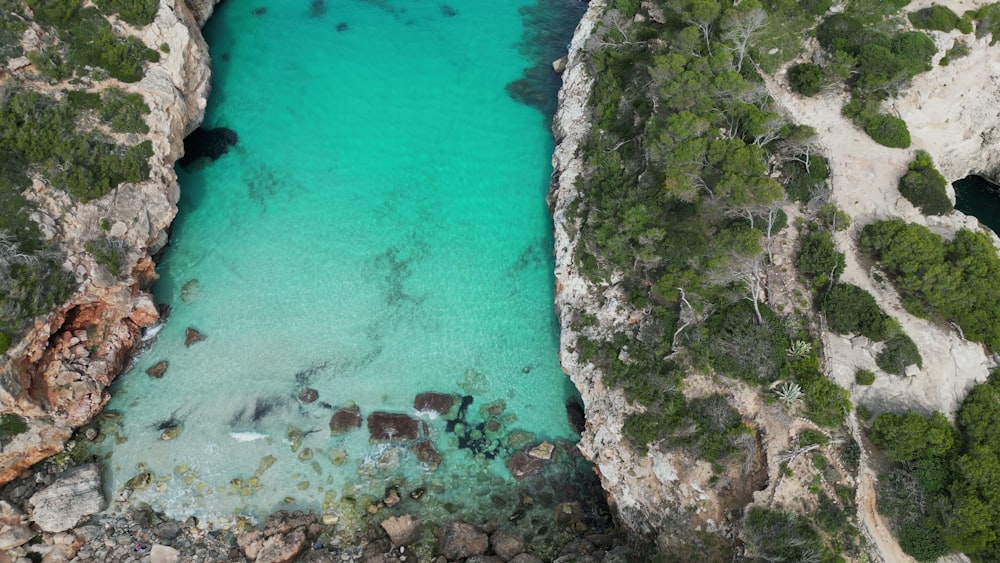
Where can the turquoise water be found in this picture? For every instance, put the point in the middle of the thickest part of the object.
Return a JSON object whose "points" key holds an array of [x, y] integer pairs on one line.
{"points": [[379, 230], [979, 198]]}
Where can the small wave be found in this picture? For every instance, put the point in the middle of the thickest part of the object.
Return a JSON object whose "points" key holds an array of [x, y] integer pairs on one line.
{"points": [[246, 436]]}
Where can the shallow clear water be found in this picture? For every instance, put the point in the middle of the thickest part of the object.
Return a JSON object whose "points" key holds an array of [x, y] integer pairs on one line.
{"points": [[380, 230], [979, 198]]}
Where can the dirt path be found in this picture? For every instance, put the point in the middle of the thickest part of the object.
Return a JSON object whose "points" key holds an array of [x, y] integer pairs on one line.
{"points": [[953, 113]]}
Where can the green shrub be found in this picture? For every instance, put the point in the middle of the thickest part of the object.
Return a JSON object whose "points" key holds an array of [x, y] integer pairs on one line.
{"points": [[850, 309], [809, 437], [11, 425], [108, 253], [958, 50], [819, 462], [957, 280], [90, 41], [4, 342], [925, 187], [864, 377], [802, 184], [736, 345], [139, 13], [807, 79], [899, 353], [818, 260], [124, 111], [888, 131], [937, 18], [826, 402], [905, 437], [771, 535]]}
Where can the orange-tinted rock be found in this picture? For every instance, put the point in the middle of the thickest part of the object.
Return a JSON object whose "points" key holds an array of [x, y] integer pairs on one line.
{"points": [[309, 395], [345, 420]]}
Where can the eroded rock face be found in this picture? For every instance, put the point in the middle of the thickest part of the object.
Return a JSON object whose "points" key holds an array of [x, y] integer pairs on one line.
{"points": [[457, 540], [72, 497], [57, 375], [522, 465]]}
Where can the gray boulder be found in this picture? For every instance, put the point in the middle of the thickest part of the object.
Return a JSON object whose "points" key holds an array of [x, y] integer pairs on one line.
{"points": [[73, 496], [458, 540]]}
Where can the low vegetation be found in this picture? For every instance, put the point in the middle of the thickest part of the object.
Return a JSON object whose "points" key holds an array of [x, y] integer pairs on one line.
{"points": [[940, 494], [925, 187], [949, 280]]}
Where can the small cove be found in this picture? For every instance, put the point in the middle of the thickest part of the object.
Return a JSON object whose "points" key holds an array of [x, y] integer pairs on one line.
{"points": [[378, 231]]}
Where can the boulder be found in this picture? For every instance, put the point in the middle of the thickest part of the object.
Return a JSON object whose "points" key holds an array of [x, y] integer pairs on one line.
{"points": [[402, 530], [568, 513], [484, 559], [345, 419], [458, 540], [387, 426], [158, 370], [282, 539], [522, 465], [14, 527], [542, 451], [163, 554], [506, 544], [308, 395], [525, 558], [168, 530], [559, 65], [434, 402], [427, 454], [73, 496], [192, 336]]}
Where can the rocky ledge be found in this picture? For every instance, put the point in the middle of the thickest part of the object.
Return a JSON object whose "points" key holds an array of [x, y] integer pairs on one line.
{"points": [[56, 377]]}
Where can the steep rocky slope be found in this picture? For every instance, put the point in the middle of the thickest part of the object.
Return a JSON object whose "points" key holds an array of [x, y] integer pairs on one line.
{"points": [[57, 376]]}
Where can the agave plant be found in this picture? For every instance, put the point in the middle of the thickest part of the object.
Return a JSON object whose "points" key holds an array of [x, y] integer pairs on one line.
{"points": [[799, 349], [789, 393]]}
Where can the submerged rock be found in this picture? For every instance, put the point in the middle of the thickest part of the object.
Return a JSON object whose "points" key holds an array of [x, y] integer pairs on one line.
{"points": [[308, 395], [190, 291], [192, 336], [434, 402], [345, 419], [427, 454], [72, 497], [387, 426], [158, 369], [522, 465], [542, 451]]}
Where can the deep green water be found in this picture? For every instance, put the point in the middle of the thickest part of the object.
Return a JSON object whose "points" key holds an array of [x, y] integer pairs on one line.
{"points": [[379, 230], [979, 198]]}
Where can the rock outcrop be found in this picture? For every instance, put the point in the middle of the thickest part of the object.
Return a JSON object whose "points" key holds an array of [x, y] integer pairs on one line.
{"points": [[57, 376], [69, 499]]}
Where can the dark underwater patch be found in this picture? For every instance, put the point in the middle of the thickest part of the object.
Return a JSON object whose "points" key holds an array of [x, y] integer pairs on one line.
{"points": [[342, 26], [317, 8], [259, 11], [548, 29], [447, 11], [211, 143]]}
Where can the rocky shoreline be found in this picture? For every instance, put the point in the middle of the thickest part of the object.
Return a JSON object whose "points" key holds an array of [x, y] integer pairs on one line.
{"points": [[57, 379]]}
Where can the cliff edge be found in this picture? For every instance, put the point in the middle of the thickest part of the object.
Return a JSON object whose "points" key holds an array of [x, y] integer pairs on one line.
{"points": [[56, 376]]}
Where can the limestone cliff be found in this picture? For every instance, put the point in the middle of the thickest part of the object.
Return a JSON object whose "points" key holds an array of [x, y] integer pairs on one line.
{"points": [[952, 113], [57, 376]]}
